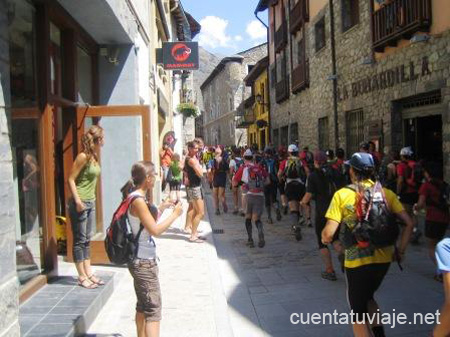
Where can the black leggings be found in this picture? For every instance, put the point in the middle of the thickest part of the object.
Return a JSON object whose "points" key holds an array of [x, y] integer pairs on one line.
{"points": [[362, 282]]}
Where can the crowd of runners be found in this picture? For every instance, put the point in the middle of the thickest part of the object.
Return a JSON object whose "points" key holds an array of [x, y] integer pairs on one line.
{"points": [[366, 208]]}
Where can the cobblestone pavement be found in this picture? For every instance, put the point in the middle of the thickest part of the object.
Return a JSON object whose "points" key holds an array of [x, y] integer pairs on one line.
{"points": [[264, 286], [223, 288]]}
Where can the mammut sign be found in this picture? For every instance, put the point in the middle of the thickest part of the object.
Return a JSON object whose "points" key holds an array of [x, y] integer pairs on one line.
{"points": [[180, 55], [384, 80]]}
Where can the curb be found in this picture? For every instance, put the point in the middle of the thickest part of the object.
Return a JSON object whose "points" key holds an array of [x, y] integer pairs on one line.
{"points": [[221, 315]]}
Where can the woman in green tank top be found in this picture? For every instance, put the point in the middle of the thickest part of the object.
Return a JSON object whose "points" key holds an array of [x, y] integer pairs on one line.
{"points": [[82, 183]]}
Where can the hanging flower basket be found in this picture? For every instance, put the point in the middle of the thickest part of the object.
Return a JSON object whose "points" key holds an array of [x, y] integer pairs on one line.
{"points": [[188, 110]]}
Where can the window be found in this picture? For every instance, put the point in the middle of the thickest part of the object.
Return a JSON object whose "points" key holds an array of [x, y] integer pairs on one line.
{"points": [[275, 135], [21, 55], [355, 130], [284, 135], [324, 143], [231, 104], [273, 74], [319, 32], [350, 14], [300, 51], [231, 128], [249, 67], [293, 136]]}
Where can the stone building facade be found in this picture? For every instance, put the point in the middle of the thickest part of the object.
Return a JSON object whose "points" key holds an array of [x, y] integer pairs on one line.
{"points": [[9, 285], [223, 92], [391, 75]]}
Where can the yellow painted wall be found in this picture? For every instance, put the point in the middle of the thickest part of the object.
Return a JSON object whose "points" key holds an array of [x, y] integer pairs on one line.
{"points": [[261, 110]]}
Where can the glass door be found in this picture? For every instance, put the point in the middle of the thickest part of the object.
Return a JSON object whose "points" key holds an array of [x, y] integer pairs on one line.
{"points": [[127, 140]]}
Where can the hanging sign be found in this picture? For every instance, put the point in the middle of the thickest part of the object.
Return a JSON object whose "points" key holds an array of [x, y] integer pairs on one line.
{"points": [[180, 55]]}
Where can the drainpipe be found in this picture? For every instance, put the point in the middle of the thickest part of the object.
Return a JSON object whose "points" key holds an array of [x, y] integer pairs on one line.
{"points": [[268, 73], [334, 76]]}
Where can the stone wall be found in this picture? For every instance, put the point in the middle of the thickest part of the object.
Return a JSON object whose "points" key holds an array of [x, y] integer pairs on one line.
{"points": [[353, 50], [224, 94], [9, 302]]}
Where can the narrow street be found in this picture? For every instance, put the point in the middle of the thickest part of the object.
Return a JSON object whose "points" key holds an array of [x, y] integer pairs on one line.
{"points": [[240, 291]]}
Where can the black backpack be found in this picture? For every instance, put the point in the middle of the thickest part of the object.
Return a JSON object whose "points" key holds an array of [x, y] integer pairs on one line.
{"points": [[294, 169], [336, 180], [120, 244], [376, 226]]}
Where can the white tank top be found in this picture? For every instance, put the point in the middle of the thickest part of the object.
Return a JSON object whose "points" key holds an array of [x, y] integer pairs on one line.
{"points": [[146, 244]]}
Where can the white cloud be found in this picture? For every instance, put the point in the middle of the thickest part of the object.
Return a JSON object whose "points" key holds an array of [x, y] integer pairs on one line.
{"points": [[238, 38], [213, 33], [256, 30]]}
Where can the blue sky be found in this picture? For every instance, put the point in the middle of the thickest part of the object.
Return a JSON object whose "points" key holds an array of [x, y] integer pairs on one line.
{"points": [[228, 26]]}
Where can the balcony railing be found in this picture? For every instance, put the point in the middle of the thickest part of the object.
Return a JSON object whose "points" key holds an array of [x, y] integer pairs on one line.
{"points": [[400, 19], [281, 36], [300, 77], [243, 122], [282, 90], [298, 15]]}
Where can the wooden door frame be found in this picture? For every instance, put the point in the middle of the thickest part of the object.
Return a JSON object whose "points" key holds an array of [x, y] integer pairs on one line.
{"points": [[98, 253]]}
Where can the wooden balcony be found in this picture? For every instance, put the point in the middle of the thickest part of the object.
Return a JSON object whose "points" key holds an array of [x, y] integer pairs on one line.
{"points": [[244, 121], [281, 36], [400, 19], [300, 77], [282, 90], [298, 15]]}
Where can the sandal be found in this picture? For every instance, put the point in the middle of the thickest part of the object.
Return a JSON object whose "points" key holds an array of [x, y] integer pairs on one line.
{"points": [[196, 240], [87, 283], [96, 280]]}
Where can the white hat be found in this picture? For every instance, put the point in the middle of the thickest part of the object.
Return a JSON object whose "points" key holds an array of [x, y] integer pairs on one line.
{"points": [[248, 153], [406, 151], [292, 148]]}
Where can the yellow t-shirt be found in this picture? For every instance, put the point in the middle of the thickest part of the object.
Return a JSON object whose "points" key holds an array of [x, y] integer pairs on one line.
{"points": [[342, 210]]}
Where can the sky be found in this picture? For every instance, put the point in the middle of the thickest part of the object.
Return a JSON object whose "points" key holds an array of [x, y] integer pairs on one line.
{"points": [[228, 26]]}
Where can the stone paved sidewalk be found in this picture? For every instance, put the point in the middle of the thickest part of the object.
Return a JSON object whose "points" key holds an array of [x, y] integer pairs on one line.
{"points": [[264, 286], [193, 300], [223, 288]]}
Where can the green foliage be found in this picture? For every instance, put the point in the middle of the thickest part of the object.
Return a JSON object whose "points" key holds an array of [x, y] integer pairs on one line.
{"points": [[188, 110]]}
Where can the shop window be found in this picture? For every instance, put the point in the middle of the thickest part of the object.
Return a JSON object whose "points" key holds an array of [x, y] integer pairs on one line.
{"points": [[350, 14], [29, 231], [355, 130], [323, 134], [319, 32], [22, 32]]}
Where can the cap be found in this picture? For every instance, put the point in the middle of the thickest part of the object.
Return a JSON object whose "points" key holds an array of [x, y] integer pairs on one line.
{"points": [[364, 146], [320, 157], [292, 148], [330, 153], [361, 161], [406, 151], [248, 153]]}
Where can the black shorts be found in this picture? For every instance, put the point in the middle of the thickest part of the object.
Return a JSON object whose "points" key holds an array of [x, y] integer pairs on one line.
{"points": [[362, 282], [435, 230], [220, 180], [270, 194], [175, 185], [295, 191]]}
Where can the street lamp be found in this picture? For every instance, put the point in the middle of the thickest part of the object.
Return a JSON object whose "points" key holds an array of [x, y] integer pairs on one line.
{"points": [[259, 100]]}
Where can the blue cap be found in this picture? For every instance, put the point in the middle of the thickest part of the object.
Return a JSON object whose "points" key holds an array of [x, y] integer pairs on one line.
{"points": [[361, 161]]}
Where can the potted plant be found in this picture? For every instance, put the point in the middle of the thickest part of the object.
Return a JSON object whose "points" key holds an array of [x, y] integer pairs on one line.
{"points": [[188, 110]]}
